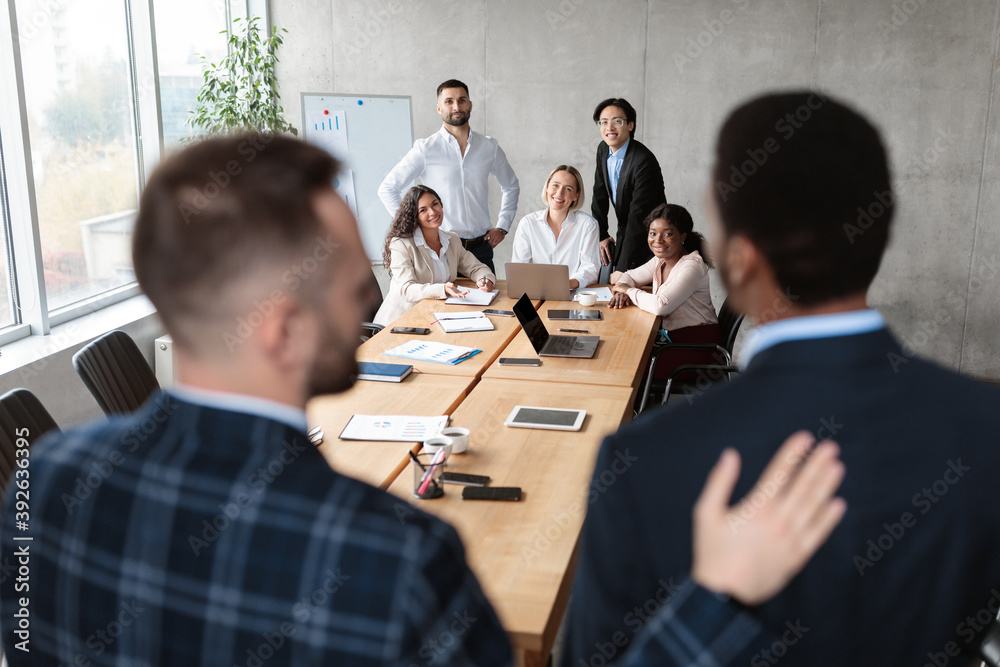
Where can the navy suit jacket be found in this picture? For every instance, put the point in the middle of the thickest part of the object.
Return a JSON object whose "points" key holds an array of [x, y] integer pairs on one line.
{"points": [[187, 535], [917, 554], [640, 190]]}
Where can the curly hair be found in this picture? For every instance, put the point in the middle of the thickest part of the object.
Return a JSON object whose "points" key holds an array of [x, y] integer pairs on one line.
{"points": [[405, 222]]}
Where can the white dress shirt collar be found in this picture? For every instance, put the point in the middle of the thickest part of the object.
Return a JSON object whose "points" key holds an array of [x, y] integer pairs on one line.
{"points": [[251, 405], [620, 153], [439, 261], [462, 182], [448, 136], [809, 328]]}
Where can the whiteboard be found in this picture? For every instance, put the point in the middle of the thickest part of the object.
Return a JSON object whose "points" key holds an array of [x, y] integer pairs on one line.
{"points": [[375, 132]]}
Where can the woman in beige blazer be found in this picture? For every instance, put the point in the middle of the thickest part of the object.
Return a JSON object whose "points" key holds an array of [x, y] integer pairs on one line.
{"points": [[423, 259]]}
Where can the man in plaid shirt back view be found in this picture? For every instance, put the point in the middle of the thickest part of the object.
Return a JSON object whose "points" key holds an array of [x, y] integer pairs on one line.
{"points": [[205, 529]]}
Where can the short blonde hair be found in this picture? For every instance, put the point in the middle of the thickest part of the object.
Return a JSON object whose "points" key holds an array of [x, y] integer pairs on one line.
{"points": [[579, 185]]}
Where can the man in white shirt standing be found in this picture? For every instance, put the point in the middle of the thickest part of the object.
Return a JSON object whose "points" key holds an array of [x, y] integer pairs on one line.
{"points": [[457, 163]]}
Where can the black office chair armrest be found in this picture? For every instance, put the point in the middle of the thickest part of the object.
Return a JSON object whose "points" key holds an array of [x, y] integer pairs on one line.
{"points": [[728, 370], [989, 650], [657, 351], [371, 328]]}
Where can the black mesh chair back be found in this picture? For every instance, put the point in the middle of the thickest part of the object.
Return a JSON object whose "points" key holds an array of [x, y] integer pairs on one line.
{"points": [[116, 373], [377, 301], [729, 325], [369, 324], [22, 415]]}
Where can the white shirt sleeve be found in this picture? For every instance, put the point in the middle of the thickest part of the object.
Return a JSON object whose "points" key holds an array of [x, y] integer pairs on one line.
{"points": [[509, 187], [680, 284], [521, 253], [590, 259], [404, 173]]}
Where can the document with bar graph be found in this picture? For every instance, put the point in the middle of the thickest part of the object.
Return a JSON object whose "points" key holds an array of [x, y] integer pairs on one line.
{"points": [[393, 428], [429, 350]]}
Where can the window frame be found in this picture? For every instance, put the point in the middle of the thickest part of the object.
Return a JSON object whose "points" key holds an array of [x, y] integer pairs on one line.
{"points": [[28, 296]]}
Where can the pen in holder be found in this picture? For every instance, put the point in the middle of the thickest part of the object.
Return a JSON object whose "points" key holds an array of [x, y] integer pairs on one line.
{"points": [[427, 474]]}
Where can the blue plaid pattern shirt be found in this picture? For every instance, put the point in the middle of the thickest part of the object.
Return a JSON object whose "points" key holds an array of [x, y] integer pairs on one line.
{"points": [[695, 628], [191, 535]]}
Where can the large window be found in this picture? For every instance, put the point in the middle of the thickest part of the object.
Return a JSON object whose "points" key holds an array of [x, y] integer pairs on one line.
{"points": [[79, 97], [185, 31], [7, 314], [81, 82]]}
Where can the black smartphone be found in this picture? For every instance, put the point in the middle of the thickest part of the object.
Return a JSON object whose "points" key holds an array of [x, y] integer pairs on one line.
{"points": [[410, 330], [491, 493], [501, 313], [460, 478], [511, 361]]}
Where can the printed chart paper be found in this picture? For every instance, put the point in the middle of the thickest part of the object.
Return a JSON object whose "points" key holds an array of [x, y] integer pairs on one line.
{"points": [[602, 293], [393, 428], [329, 131], [429, 350]]}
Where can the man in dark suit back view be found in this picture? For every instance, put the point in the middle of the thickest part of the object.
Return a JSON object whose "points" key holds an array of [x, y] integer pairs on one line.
{"points": [[911, 575], [206, 529], [628, 177]]}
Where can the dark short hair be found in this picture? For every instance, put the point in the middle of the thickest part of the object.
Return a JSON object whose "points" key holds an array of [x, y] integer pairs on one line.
{"points": [[806, 179], [452, 83], [621, 104], [216, 212]]}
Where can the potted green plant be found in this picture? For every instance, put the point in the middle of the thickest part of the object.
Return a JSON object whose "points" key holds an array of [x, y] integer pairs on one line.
{"points": [[240, 93]]}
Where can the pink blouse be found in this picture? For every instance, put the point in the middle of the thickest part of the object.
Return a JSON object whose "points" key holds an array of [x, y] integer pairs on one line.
{"points": [[682, 298]]}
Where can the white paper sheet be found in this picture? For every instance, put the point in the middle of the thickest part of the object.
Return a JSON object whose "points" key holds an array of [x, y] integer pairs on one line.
{"points": [[429, 350], [475, 297], [602, 293], [459, 322], [394, 428], [329, 130], [343, 183]]}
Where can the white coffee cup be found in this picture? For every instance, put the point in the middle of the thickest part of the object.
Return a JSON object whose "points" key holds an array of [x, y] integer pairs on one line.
{"points": [[459, 438], [432, 445], [587, 298]]}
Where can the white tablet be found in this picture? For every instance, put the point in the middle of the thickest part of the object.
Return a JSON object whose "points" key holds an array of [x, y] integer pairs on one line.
{"points": [[557, 419]]}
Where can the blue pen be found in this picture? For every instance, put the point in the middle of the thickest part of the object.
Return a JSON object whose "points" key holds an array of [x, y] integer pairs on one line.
{"points": [[663, 332]]}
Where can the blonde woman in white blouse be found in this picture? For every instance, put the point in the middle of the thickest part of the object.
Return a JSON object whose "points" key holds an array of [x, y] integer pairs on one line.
{"points": [[561, 233]]}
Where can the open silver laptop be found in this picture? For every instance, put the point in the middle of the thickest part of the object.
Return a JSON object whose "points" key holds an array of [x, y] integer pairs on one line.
{"points": [[545, 345], [549, 282]]}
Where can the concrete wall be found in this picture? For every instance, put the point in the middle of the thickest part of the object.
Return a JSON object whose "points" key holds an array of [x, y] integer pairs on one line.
{"points": [[923, 71]]}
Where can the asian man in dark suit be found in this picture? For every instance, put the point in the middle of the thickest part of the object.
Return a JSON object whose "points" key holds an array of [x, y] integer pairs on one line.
{"points": [[628, 177], [206, 528], [910, 576]]}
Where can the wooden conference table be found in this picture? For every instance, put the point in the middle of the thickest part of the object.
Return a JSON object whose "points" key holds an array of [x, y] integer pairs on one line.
{"points": [[523, 553]]}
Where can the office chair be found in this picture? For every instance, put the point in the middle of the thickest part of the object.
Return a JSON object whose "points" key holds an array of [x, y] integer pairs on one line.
{"points": [[604, 275], [370, 327], [22, 416], [729, 325], [116, 373]]}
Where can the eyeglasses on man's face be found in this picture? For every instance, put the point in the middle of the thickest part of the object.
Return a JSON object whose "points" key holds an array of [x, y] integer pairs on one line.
{"points": [[615, 122]]}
